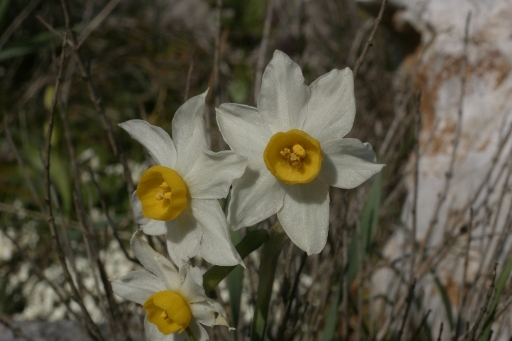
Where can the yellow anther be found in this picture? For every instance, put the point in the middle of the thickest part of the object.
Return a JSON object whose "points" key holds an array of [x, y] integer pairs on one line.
{"points": [[165, 193], [164, 315], [295, 156], [299, 151]]}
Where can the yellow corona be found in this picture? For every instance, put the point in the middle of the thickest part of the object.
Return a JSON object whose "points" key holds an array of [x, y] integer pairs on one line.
{"points": [[293, 157], [162, 192], [168, 311]]}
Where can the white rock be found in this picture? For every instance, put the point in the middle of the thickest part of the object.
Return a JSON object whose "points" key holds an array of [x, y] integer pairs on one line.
{"points": [[436, 70]]}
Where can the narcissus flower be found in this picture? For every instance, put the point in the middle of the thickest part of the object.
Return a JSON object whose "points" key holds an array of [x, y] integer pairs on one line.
{"points": [[174, 301], [295, 149], [178, 197]]}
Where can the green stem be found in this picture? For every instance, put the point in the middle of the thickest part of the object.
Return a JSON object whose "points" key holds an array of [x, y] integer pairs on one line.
{"points": [[252, 241], [268, 265]]}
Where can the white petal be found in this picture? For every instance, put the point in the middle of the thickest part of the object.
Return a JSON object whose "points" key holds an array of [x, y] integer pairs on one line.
{"points": [[283, 94], [331, 107], [157, 142], [204, 313], [191, 291], [189, 134], [220, 319], [256, 196], [153, 334], [183, 237], [154, 228], [155, 262], [137, 210], [305, 215], [213, 174], [216, 247], [137, 286], [245, 131], [199, 332], [196, 274], [348, 163]]}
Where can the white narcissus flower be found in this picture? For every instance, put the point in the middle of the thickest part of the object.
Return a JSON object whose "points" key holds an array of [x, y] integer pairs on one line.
{"points": [[175, 302], [295, 150], [178, 197]]}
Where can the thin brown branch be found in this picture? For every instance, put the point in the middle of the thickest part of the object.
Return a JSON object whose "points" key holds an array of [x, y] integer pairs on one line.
{"points": [[263, 49], [290, 298], [23, 169], [345, 283], [463, 293], [456, 140], [216, 56], [109, 219], [97, 21], [410, 297], [358, 39], [416, 335], [96, 99], [440, 332], [20, 18], [53, 30], [91, 326], [507, 225], [189, 76], [111, 313], [369, 42], [417, 129], [484, 309], [360, 265]]}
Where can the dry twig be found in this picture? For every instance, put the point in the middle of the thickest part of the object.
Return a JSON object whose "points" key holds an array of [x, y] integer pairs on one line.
{"points": [[263, 49], [91, 326], [369, 42]]}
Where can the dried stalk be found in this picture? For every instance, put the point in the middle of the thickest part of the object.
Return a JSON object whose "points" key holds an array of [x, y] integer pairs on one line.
{"points": [[92, 328], [369, 42]]}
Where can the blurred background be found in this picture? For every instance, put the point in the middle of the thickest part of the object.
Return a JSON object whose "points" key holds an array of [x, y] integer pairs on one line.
{"points": [[411, 254]]}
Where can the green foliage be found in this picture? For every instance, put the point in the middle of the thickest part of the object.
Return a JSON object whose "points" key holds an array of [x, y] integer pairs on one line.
{"points": [[27, 46]]}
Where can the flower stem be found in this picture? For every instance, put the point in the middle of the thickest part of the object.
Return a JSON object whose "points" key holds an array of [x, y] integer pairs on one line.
{"points": [[249, 243], [190, 334], [268, 265]]}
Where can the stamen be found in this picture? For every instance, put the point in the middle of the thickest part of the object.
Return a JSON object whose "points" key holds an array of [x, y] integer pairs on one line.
{"points": [[165, 193], [295, 155], [299, 151], [164, 315]]}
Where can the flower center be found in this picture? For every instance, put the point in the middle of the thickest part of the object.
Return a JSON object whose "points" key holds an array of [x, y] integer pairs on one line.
{"points": [[293, 157], [165, 193], [162, 192], [169, 311]]}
